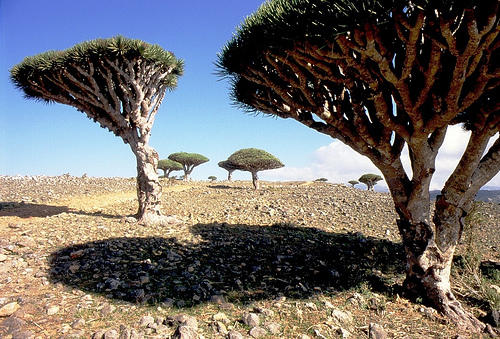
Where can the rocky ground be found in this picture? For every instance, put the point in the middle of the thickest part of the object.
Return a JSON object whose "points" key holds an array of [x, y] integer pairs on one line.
{"points": [[292, 260]]}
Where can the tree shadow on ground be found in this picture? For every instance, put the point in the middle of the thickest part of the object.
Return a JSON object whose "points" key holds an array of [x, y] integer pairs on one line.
{"points": [[29, 210], [221, 186], [239, 262]]}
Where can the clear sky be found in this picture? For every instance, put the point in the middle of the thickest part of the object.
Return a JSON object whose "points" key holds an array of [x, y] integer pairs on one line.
{"points": [[198, 117]]}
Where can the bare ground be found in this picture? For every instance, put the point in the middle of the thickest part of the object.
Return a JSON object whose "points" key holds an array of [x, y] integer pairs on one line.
{"points": [[298, 255]]}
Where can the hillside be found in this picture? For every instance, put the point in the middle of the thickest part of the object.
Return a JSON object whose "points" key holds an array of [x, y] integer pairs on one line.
{"points": [[492, 196], [301, 260]]}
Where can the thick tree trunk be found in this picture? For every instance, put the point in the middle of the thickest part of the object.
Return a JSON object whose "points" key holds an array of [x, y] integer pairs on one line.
{"points": [[148, 185], [429, 246], [429, 253], [255, 180]]}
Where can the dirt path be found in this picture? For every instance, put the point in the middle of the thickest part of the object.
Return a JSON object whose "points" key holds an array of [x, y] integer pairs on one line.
{"points": [[85, 203]]}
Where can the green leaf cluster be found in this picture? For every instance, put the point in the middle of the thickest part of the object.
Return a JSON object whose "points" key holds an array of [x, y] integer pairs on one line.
{"points": [[253, 160], [94, 51], [169, 165], [225, 164], [188, 159], [280, 24], [369, 177]]}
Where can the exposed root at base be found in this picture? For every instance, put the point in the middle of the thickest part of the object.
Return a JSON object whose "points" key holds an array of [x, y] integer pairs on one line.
{"points": [[158, 220]]}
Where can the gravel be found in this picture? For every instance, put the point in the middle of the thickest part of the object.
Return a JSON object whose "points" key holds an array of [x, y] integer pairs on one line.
{"points": [[72, 262]]}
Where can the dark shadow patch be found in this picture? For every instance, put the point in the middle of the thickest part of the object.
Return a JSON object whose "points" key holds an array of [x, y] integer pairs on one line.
{"points": [[227, 187], [29, 210], [240, 262]]}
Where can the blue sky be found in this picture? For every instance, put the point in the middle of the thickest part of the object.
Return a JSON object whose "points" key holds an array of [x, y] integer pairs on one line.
{"points": [[40, 139]]}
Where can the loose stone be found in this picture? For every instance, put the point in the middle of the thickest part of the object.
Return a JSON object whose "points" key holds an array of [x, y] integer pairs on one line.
{"points": [[234, 335], [257, 332], [376, 331], [9, 309], [251, 319]]}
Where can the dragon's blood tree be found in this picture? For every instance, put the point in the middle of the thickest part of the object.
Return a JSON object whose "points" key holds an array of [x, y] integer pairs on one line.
{"points": [[117, 82], [380, 75]]}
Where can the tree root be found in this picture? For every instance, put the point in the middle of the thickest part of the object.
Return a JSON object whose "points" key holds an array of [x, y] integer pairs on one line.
{"points": [[153, 219], [453, 310]]}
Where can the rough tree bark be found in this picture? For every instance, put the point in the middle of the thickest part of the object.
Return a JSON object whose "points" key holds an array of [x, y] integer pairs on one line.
{"points": [[255, 180], [148, 186], [398, 80], [119, 83]]}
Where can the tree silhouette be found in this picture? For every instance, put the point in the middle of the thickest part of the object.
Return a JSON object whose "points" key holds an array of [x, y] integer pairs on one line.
{"points": [[353, 182], [253, 160], [380, 75], [168, 166], [117, 82], [370, 180], [229, 167], [189, 161]]}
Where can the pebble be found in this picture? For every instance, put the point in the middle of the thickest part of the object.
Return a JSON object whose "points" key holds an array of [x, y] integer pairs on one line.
{"points": [[111, 334], [107, 309], [221, 317], [183, 261], [234, 335], [219, 327], [9, 309], [146, 320], [342, 317], [251, 319], [257, 332], [51, 310], [274, 328], [377, 331], [78, 323]]}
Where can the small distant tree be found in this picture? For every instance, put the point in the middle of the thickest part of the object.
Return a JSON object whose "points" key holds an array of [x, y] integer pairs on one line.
{"points": [[189, 161], [168, 166], [370, 180], [229, 167], [212, 178], [321, 180], [353, 182], [254, 160], [117, 82]]}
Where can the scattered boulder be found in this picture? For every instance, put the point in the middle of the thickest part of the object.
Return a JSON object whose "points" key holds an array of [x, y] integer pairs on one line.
{"points": [[342, 317], [185, 331], [234, 335], [376, 331], [251, 319], [9, 309], [257, 332]]}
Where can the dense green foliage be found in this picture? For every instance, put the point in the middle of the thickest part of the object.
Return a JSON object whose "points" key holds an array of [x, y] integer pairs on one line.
{"points": [[353, 182], [227, 165], [253, 159], [93, 52], [279, 26], [188, 159], [370, 180], [169, 166]]}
